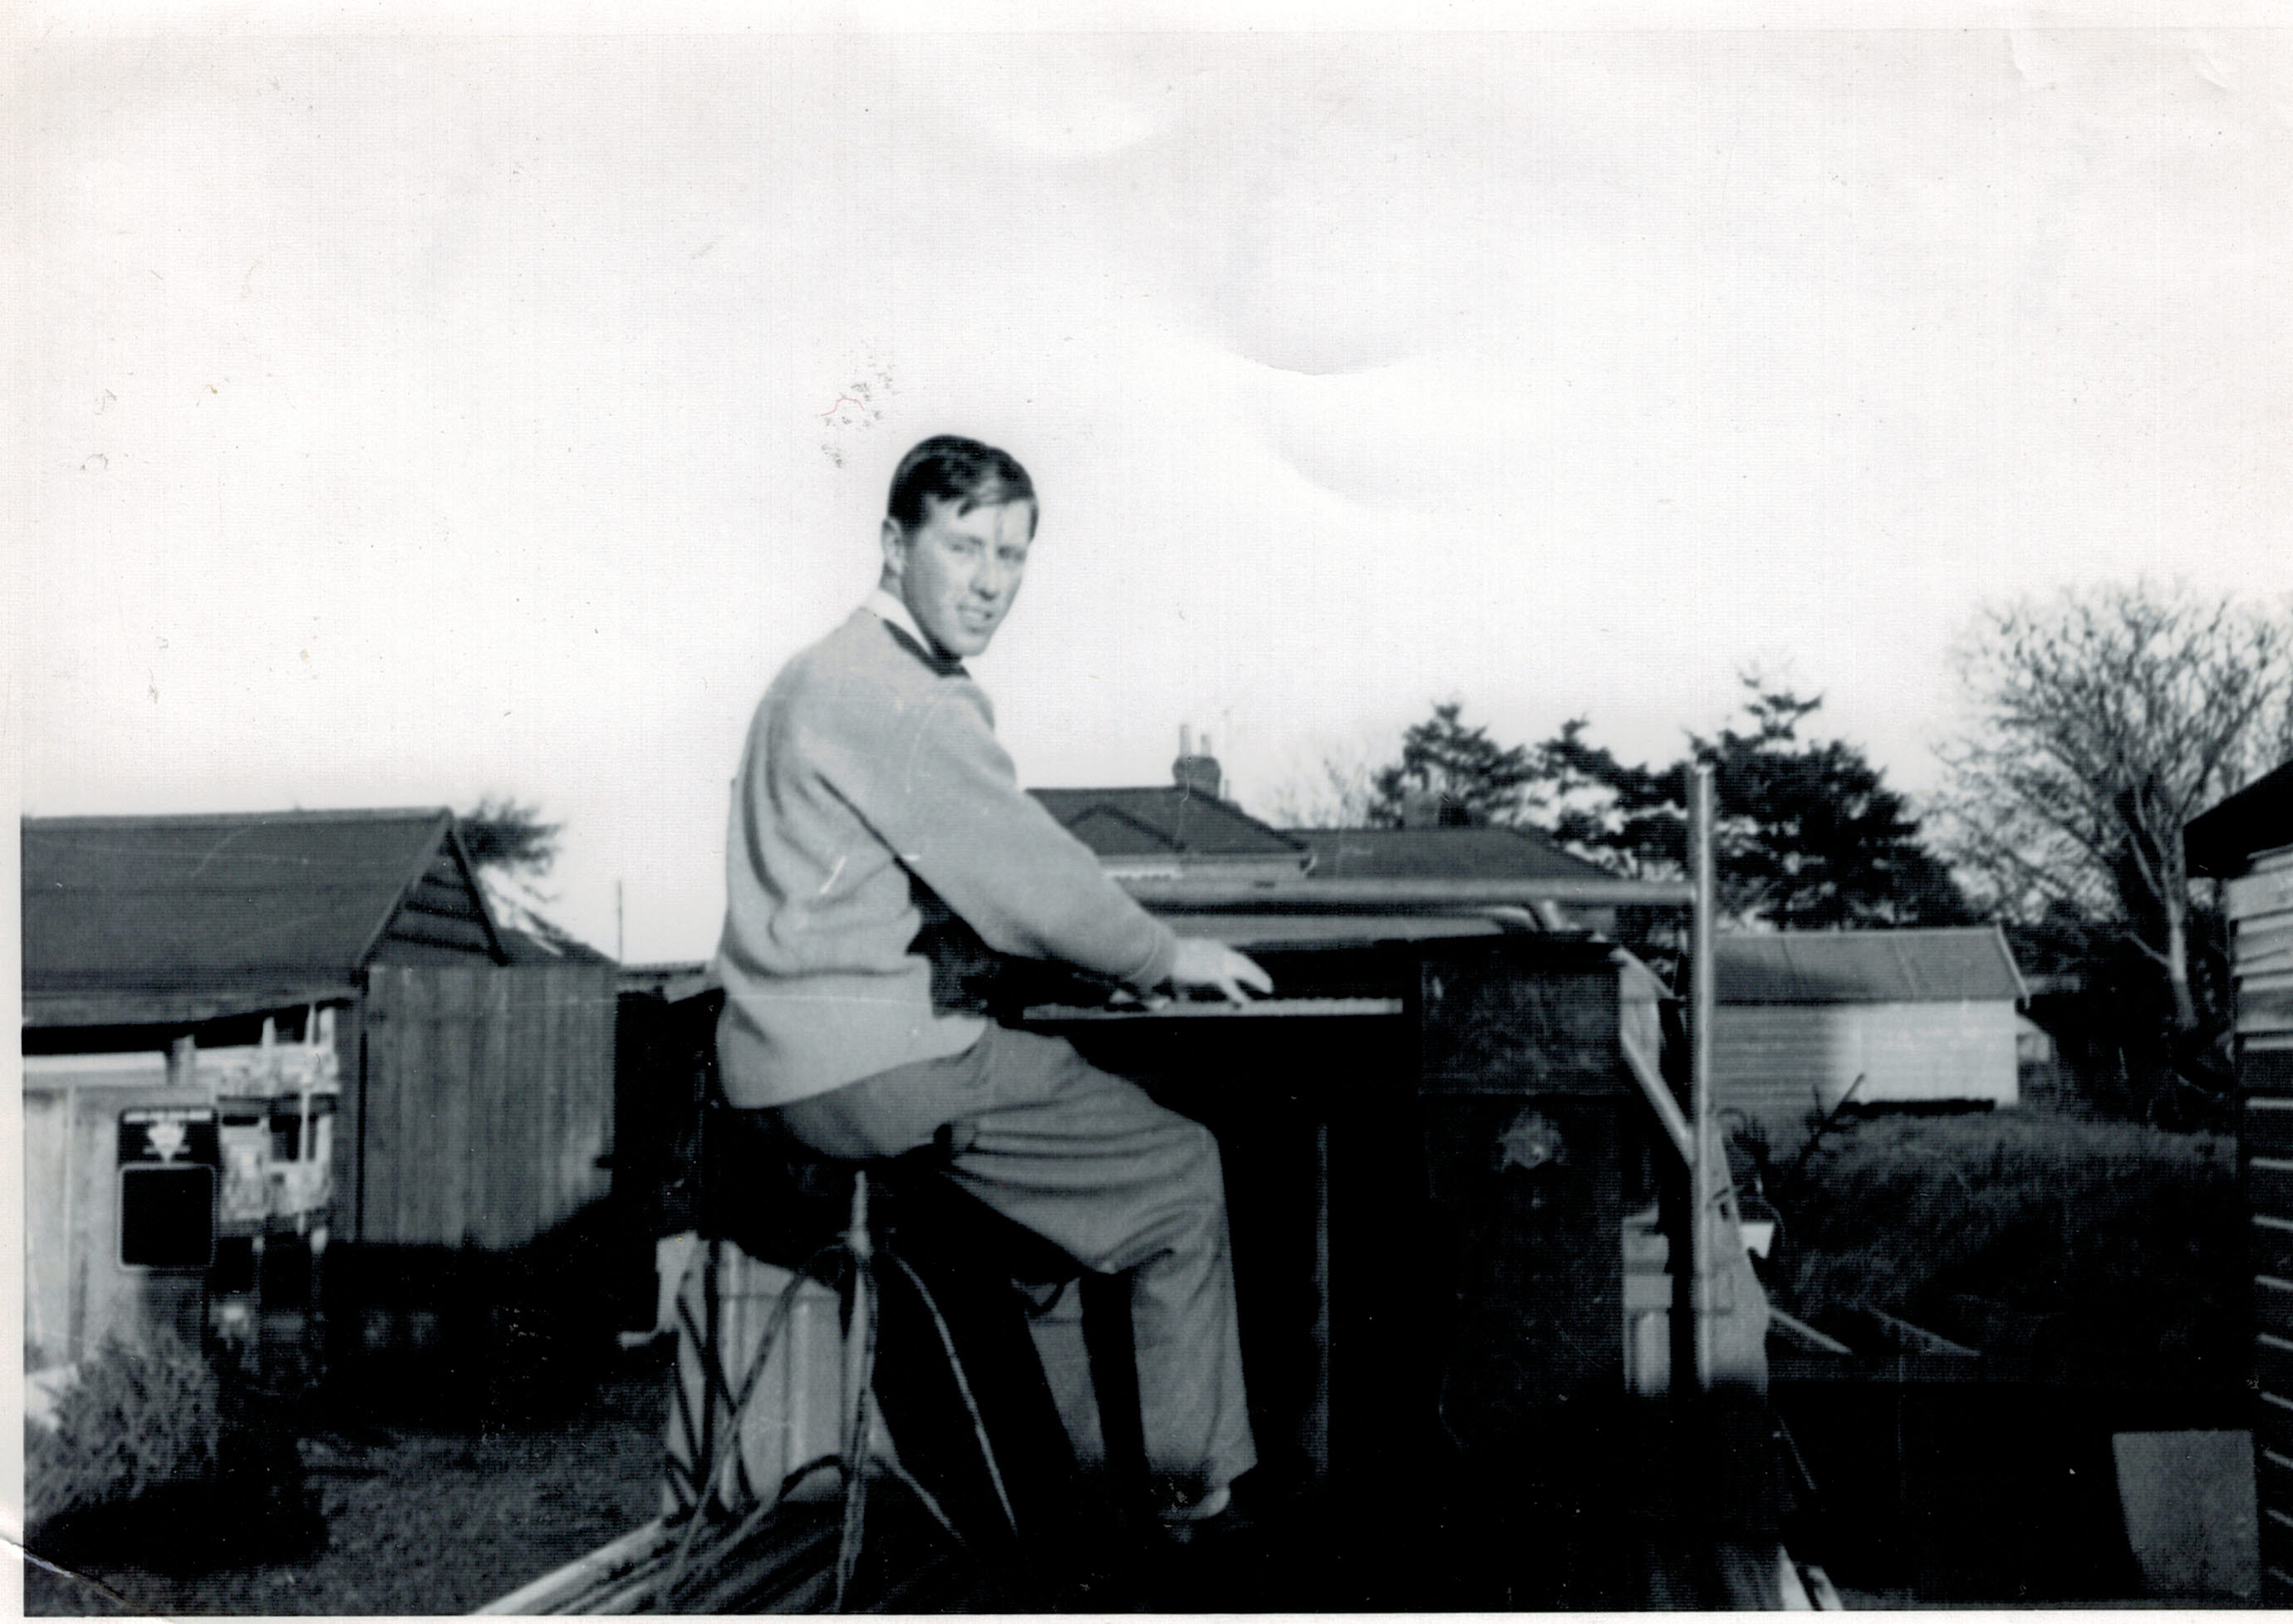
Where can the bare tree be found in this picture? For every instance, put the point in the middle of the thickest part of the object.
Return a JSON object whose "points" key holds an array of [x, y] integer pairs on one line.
{"points": [[2106, 719], [1335, 796]]}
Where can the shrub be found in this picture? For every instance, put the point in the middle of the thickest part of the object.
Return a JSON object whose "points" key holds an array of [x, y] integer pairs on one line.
{"points": [[153, 1453], [136, 1419], [2128, 1238]]}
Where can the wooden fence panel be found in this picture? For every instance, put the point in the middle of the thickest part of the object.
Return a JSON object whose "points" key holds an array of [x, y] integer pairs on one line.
{"points": [[490, 1120], [487, 1094]]}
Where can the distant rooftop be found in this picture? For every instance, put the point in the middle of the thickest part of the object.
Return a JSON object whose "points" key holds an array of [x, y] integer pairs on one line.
{"points": [[1167, 821]]}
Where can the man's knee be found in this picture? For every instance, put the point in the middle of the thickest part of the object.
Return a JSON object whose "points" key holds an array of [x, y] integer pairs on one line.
{"points": [[1201, 1165], [1198, 1177]]}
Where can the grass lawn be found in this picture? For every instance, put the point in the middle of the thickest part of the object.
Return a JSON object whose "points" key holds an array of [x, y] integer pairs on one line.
{"points": [[426, 1521], [2115, 1250]]}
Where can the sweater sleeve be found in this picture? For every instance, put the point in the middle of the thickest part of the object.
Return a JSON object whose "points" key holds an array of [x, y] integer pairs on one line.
{"points": [[945, 795]]}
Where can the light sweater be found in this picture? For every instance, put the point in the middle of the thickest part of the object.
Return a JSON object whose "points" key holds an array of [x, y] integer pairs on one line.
{"points": [[872, 783]]}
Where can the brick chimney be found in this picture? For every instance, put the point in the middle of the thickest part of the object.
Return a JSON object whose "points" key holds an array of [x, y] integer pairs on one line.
{"points": [[1431, 809], [1197, 774]]}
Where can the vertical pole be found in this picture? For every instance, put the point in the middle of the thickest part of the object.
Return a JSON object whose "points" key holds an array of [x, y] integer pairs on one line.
{"points": [[1703, 1000]]}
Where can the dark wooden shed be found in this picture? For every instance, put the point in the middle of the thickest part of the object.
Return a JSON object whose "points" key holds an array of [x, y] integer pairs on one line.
{"points": [[2246, 842]]}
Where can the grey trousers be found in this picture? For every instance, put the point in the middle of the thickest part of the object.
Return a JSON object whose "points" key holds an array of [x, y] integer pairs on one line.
{"points": [[1087, 1162]]}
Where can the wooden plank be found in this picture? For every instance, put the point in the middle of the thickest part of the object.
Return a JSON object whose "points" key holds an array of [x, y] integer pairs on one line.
{"points": [[594, 1008], [490, 1180], [2266, 1127], [2270, 1070], [2277, 1539], [1057, 1014], [2272, 1474], [436, 893], [389, 1032], [2272, 1363], [418, 1147], [2270, 1250], [477, 1160], [612, 1561], [2263, 942], [2272, 1305], [2265, 891], [2267, 1007], [466, 1112], [435, 931], [1210, 893], [1805, 1337], [507, 1180], [2272, 1417], [2269, 1186], [350, 1119], [549, 1093], [524, 1140]]}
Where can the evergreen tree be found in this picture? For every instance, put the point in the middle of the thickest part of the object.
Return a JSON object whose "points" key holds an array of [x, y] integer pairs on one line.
{"points": [[1807, 835], [1471, 778]]}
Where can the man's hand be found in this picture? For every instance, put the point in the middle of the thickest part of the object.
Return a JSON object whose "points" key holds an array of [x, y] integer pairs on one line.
{"points": [[1205, 964]]}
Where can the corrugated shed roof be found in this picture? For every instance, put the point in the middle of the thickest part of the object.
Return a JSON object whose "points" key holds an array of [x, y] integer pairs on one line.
{"points": [[1898, 966], [1441, 854], [1165, 819], [169, 908]]}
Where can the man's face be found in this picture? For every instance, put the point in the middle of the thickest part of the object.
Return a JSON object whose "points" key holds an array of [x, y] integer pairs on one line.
{"points": [[958, 572]]}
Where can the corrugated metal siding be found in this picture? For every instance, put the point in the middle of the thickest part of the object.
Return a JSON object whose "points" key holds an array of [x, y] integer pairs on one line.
{"points": [[1778, 1062], [2260, 906]]}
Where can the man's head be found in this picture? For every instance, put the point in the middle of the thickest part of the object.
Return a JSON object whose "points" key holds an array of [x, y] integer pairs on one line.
{"points": [[956, 533]]}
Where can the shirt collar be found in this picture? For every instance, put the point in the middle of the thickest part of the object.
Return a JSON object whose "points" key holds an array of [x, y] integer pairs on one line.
{"points": [[888, 607]]}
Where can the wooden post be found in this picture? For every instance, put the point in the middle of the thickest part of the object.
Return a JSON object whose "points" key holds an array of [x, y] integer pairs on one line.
{"points": [[1701, 1181]]}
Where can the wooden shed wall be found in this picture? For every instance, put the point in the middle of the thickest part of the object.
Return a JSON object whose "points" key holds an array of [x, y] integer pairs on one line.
{"points": [[1775, 1061], [76, 1292], [487, 1102], [2261, 923]]}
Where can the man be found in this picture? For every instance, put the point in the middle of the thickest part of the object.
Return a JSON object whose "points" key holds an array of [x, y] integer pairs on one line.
{"points": [[878, 829]]}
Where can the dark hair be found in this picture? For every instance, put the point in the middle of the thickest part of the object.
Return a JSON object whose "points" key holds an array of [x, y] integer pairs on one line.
{"points": [[956, 470]]}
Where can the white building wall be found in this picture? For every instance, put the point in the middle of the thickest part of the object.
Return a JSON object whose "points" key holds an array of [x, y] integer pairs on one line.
{"points": [[1778, 1063]]}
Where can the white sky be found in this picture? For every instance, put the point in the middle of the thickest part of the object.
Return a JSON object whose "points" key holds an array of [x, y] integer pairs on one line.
{"points": [[407, 418]]}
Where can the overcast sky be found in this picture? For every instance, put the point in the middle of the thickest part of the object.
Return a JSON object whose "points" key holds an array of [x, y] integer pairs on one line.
{"points": [[410, 419]]}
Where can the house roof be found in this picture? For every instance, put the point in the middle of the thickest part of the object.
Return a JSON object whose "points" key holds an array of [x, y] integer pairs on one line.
{"points": [[2258, 817], [128, 918], [1165, 820], [1441, 854], [1890, 966]]}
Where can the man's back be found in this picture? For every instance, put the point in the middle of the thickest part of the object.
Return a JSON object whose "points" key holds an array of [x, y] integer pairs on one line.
{"points": [[872, 772]]}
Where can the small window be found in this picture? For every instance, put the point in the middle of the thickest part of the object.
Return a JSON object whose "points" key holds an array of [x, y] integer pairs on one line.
{"points": [[166, 1215], [286, 1136]]}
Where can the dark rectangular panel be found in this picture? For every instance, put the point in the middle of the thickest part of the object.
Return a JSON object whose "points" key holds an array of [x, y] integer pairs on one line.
{"points": [[166, 1215], [1496, 1025]]}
